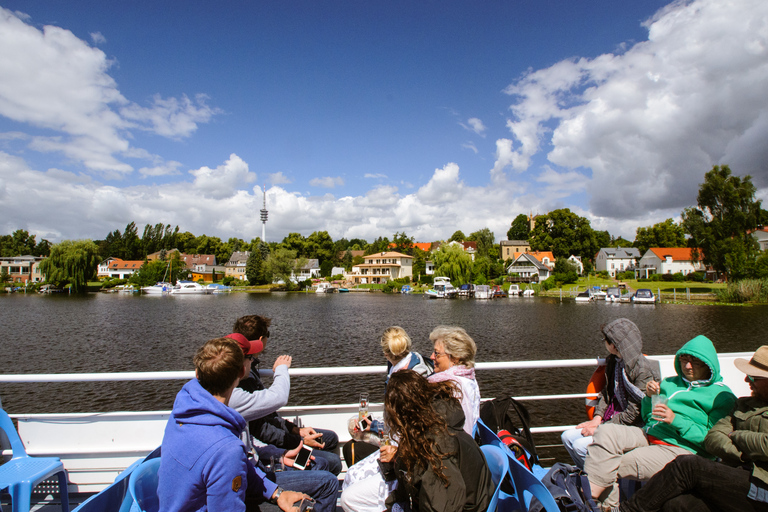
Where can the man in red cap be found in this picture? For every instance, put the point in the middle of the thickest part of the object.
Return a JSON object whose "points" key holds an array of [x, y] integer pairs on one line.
{"points": [[740, 483], [272, 428]]}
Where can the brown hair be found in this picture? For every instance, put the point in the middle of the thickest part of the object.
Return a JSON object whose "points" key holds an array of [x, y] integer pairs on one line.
{"points": [[409, 413], [218, 364], [252, 327]]}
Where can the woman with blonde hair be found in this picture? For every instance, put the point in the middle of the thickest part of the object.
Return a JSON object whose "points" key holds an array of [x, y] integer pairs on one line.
{"points": [[396, 345], [454, 359]]}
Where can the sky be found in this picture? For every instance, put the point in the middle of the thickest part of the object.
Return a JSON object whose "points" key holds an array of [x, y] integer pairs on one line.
{"points": [[364, 119]]}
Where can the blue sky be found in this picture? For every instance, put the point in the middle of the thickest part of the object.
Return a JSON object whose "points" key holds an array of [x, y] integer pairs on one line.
{"points": [[366, 118]]}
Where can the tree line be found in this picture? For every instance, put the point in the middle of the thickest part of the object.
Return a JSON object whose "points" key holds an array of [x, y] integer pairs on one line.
{"points": [[720, 226]]}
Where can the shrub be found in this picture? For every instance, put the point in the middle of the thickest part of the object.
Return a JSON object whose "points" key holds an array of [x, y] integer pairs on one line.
{"points": [[747, 290], [698, 277], [625, 275], [548, 283], [604, 274], [390, 287], [227, 280]]}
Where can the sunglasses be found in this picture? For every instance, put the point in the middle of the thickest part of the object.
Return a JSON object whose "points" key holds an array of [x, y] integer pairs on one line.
{"points": [[752, 379], [249, 357]]}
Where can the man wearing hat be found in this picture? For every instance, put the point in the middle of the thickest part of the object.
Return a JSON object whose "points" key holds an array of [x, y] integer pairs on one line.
{"points": [[740, 440]]}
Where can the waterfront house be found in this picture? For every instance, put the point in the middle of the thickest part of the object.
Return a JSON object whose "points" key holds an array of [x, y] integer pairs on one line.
{"points": [[670, 260], [511, 249], [761, 236], [616, 260], [576, 260], [235, 267], [22, 269], [527, 268], [118, 268], [381, 267], [310, 270]]}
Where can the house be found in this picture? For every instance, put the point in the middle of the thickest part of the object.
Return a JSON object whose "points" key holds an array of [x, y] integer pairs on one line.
{"points": [[424, 246], [616, 260], [235, 267], [429, 268], [576, 260], [118, 268], [22, 269], [208, 273], [195, 260], [381, 267], [545, 257], [761, 236], [527, 268], [310, 270], [670, 260], [468, 247], [511, 249]]}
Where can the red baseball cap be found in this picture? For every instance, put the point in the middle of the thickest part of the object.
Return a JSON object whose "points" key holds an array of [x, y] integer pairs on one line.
{"points": [[250, 347]]}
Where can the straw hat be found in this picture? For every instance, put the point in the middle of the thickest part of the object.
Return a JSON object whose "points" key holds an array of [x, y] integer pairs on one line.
{"points": [[757, 366]]}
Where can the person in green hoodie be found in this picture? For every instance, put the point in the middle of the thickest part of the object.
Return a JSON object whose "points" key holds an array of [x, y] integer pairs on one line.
{"points": [[696, 399]]}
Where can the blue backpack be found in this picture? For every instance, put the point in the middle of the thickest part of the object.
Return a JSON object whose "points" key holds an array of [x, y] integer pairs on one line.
{"points": [[570, 488]]}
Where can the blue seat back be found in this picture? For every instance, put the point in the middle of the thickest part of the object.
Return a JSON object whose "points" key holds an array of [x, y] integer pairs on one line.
{"points": [[10, 431], [499, 466], [143, 485]]}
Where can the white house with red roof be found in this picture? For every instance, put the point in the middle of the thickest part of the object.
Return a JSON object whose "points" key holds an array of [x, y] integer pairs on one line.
{"points": [[381, 267], [671, 260], [115, 267]]}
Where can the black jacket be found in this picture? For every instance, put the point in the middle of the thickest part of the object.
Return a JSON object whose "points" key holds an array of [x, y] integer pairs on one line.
{"points": [[470, 486]]}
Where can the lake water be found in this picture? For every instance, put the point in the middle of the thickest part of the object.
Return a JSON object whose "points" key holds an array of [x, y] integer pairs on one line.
{"points": [[118, 333]]}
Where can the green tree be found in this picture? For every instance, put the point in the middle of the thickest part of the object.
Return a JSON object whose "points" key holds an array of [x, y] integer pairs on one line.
{"points": [[280, 265], [71, 262], [403, 243], [295, 242], [661, 234], [4, 275], [457, 236], [565, 272], [255, 268], [485, 242], [564, 233], [720, 226], [452, 262], [320, 245], [521, 228], [419, 262], [152, 272]]}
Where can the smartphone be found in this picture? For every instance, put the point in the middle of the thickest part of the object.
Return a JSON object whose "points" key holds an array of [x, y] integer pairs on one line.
{"points": [[364, 423], [306, 505], [302, 459]]}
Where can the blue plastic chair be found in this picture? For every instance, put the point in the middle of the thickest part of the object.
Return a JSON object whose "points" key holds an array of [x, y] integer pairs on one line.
{"points": [[22, 473], [499, 466], [143, 486], [526, 483]]}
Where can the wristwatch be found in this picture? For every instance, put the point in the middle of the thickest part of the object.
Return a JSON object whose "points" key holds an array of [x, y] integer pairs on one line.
{"points": [[277, 494]]}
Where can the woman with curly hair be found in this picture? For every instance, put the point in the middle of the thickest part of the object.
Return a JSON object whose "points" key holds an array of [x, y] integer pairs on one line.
{"points": [[436, 466]]}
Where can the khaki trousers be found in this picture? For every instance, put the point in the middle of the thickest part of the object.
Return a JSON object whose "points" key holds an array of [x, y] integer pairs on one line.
{"points": [[620, 451]]}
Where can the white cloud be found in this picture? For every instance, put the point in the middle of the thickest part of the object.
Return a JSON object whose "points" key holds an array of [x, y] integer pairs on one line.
{"points": [[98, 38], [225, 180], [170, 168], [327, 182], [474, 125], [471, 146], [278, 178], [375, 176], [56, 81], [649, 122]]}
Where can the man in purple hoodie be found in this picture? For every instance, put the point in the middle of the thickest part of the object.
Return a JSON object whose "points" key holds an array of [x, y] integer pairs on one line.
{"points": [[203, 465]]}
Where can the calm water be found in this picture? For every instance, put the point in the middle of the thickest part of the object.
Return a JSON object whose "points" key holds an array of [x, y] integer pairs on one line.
{"points": [[117, 333]]}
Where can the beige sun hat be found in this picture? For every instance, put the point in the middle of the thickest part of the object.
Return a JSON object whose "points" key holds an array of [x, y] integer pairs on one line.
{"points": [[757, 366]]}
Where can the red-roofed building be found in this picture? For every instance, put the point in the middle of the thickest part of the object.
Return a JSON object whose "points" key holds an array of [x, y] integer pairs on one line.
{"points": [[381, 267], [670, 260], [121, 269], [761, 235], [424, 246]]}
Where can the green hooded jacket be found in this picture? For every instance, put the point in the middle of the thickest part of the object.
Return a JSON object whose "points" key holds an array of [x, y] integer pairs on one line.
{"points": [[697, 405]]}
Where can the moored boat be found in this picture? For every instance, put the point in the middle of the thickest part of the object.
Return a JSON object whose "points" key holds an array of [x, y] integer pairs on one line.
{"points": [[483, 291], [643, 296], [189, 288], [158, 289]]}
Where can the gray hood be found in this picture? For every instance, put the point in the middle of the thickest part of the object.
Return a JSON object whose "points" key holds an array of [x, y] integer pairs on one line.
{"points": [[626, 337]]}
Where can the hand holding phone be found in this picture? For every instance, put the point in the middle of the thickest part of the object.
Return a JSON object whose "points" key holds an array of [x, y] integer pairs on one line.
{"points": [[302, 459], [365, 423]]}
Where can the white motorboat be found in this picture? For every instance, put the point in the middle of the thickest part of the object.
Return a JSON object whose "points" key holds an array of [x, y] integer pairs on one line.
{"points": [[189, 288], [598, 293], [585, 296], [218, 288], [325, 287], [514, 290], [528, 292], [483, 291], [613, 294], [643, 296], [158, 289], [442, 289]]}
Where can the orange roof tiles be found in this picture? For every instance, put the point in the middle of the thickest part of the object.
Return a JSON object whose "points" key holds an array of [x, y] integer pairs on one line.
{"points": [[677, 253]]}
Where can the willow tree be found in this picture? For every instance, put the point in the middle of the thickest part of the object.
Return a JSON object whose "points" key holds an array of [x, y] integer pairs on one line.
{"points": [[452, 262], [71, 262]]}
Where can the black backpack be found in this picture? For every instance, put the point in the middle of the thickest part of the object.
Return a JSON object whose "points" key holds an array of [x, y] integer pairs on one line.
{"points": [[511, 422], [569, 487]]}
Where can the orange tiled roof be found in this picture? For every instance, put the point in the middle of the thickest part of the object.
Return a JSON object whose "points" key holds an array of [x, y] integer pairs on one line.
{"points": [[677, 253], [125, 264], [540, 255]]}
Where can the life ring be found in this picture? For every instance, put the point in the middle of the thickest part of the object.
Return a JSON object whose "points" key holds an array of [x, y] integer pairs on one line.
{"points": [[595, 386]]}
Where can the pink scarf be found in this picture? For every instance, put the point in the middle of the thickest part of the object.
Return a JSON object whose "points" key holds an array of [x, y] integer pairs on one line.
{"points": [[457, 370]]}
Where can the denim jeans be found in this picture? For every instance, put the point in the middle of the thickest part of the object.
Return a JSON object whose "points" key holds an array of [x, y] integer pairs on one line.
{"points": [[322, 486], [328, 453], [694, 484], [576, 445]]}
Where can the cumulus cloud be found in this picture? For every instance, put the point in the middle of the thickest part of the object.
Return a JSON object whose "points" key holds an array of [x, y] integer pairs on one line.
{"points": [[278, 178], [327, 182], [650, 121], [225, 180], [98, 38], [56, 81], [170, 168]]}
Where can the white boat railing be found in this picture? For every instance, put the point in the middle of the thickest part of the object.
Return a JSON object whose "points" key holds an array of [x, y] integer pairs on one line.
{"points": [[95, 447]]}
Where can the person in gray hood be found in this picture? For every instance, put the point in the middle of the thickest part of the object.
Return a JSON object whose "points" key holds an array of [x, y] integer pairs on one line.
{"points": [[627, 371]]}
